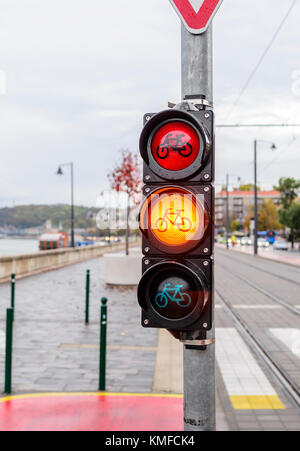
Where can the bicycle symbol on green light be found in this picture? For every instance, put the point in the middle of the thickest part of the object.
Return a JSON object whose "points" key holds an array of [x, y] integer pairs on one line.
{"points": [[174, 295]]}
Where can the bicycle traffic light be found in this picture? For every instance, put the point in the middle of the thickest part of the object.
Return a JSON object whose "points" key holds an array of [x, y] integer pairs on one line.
{"points": [[177, 219]]}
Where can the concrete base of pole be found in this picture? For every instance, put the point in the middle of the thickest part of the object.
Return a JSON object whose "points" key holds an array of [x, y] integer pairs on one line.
{"points": [[122, 269]]}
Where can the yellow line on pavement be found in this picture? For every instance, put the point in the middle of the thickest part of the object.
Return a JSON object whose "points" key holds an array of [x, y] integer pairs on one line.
{"points": [[257, 403], [99, 394]]}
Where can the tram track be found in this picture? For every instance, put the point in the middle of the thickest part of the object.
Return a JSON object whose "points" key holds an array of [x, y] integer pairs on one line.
{"points": [[243, 262], [261, 290], [282, 377]]}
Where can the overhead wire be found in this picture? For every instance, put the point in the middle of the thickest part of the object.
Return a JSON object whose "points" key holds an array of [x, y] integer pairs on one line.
{"points": [[261, 59]]}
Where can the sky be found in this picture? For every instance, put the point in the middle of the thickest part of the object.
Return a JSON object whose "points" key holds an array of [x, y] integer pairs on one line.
{"points": [[76, 77]]}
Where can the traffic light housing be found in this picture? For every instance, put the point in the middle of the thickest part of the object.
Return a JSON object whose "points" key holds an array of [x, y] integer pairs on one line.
{"points": [[197, 159], [177, 220]]}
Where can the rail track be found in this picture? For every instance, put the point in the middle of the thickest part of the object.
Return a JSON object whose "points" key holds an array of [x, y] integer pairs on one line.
{"points": [[283, 378], [243, 262], [261, 290]]}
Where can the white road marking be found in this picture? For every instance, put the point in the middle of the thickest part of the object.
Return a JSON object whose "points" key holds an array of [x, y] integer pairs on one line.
{"points": [[241, 373], [258, 307], [289, 337]]}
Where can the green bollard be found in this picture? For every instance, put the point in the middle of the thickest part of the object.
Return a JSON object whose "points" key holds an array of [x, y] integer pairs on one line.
{"points": [[13, 290], [103, 333], [8, 352], [87, 298]]}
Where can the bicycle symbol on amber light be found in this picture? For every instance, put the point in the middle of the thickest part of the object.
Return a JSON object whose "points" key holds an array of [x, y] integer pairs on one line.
{"points": [[180, 222], [174, 295]]}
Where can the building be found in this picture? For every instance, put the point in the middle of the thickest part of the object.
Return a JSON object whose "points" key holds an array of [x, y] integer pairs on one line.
{"points": [[240, 205]]}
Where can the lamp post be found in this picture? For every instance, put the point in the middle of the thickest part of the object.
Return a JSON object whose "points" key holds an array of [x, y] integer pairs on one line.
{"points": [[227, 207], [273, 147], [60, 172]]}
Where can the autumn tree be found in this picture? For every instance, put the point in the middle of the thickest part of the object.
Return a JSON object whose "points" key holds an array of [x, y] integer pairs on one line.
{"points": [[126, 177], [235, 226], [267, 217], [248, 187]]}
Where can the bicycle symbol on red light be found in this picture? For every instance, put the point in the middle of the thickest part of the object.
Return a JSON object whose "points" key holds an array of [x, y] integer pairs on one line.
{"points": [[181, 223], [174, 143]]}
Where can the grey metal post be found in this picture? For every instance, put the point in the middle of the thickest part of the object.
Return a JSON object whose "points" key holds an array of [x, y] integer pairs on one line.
{"points": [[72, 207], [255, 200], [227, 211], [199, 366]]}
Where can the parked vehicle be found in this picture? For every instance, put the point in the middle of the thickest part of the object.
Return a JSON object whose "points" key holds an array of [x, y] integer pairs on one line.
{"points": [[246, 241], [281, 245], [263, 243]]}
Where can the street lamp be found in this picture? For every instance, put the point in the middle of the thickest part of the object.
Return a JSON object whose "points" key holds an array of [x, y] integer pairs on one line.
{"points": [[60, 172], [273, 147], [227, 207]]}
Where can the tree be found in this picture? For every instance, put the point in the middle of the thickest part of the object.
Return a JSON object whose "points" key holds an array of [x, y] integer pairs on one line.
{"points": [[293, 219], [248, 187], [235, 226], [126, 177], [268, 217], [288, 188]]}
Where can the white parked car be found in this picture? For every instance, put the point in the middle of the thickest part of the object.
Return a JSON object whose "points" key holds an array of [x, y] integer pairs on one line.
{"points": [[261, 242], [281, 245], [245, 241]]}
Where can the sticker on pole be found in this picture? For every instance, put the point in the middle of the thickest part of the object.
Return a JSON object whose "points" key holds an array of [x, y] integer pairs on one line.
{"points": [[196, 15]]}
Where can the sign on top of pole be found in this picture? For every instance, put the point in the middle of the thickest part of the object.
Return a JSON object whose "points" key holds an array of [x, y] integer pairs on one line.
{"points": [[196, 15]]}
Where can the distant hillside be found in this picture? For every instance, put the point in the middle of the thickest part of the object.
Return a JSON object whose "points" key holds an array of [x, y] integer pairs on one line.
{"points": [[26, 216]]}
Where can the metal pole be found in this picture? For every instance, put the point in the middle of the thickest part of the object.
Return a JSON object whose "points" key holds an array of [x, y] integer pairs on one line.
{"points": [[87, 298], [13, 285], [199, 366], [72, 207], [227, 211], [8, 351], [255, 200], [103, 333]]}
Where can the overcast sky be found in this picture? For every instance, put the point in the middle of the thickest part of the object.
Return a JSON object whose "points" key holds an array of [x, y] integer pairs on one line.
{"points": [[80, 74]]}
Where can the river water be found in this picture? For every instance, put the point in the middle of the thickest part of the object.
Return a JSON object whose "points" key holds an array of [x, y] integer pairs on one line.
{"points": [[10, 247]]}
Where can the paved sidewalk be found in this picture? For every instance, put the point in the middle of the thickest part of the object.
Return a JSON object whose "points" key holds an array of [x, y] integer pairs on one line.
{"points": [[291, 257], [55, 351]]}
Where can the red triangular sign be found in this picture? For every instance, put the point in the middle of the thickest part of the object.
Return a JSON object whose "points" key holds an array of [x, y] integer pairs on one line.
{"points": [[196, 14]]}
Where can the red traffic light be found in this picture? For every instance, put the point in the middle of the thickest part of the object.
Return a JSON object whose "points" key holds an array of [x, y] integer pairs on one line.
{"points": [[175, 145]]}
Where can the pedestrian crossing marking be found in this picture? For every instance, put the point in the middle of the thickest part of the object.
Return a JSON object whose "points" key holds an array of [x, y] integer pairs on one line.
{"points": [[289, 337], [258, 307], [246, 383]]}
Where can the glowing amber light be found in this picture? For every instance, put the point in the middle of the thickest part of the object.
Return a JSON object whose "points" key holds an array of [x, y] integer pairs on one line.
{"points": [[174, 217]]}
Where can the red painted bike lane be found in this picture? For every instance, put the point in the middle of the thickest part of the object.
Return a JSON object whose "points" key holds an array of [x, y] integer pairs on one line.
{"points": [[91, 412]]}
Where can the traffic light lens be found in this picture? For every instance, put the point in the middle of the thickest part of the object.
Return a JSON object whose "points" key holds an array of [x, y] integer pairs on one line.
{"points": [[175, 217], [175, 146], [173, 296]]}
